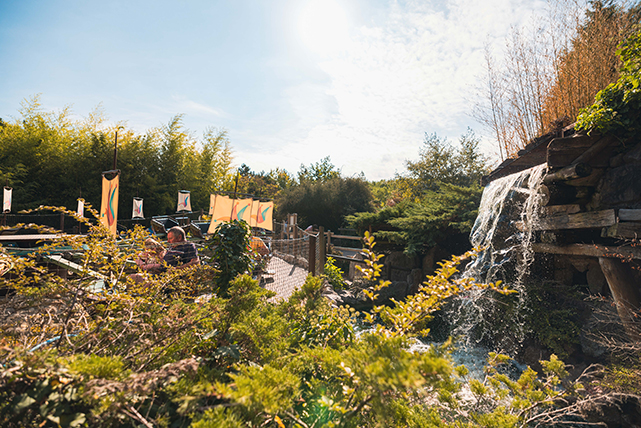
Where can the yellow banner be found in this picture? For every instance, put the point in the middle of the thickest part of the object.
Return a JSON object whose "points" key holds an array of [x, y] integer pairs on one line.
{"points": [[264, 218], [253, 222], [221, 211], [212, 202], [242, 210], [109, 205], [254, 212]]}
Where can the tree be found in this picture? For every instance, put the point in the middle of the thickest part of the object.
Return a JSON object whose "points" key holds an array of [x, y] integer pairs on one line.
{"points": [[212, 166], [321, 171], [550, 72], [440, 162], [435, 202], [325, 203], [51, 159], [616, 108]]}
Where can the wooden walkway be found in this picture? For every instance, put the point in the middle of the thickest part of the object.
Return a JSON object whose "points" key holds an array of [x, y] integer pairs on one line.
{"points": [[286, 278]]}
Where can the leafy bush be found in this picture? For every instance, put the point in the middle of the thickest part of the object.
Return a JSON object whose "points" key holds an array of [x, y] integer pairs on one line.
{"points": [[230, 247], [334, 274], [617, 108], [139, 357], [420, 225]]}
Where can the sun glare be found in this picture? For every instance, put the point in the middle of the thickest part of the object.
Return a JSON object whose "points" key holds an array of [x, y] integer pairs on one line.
{"points": [[324, 26]]}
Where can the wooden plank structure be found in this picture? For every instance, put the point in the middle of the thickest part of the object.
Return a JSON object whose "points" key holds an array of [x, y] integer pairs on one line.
{"points": [[576, 167]]}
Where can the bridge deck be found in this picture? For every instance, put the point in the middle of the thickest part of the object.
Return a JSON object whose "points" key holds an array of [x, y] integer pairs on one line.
{"points": [[286, 278]]}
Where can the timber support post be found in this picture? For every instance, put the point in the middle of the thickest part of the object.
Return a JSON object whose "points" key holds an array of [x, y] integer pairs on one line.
{"points": [[322, 249], [621, 285], [312, 255]]}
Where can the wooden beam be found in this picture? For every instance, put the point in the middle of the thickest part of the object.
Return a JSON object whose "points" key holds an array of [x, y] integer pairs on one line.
{"points": [[347, 259], [312, 255], [589, 250], [560, 194], [586, 220], [624, 292], [358, 250], [569, 173], [33, 237], [595, 149], [562, 209], [355, 238], [629, 215], [72, 267], [590, 181], [322, 247], [624, 230], [562, 152]]}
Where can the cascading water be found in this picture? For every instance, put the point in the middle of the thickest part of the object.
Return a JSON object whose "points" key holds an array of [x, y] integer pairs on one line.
{"points": [[504, 229]]}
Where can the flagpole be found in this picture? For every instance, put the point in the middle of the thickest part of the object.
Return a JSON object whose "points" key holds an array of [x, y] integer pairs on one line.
{"points": [[234, 199], [4, 217], [116, 147]]}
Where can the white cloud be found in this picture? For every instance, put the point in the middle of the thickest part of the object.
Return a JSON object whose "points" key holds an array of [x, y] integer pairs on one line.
{"points": [[191, 107], [395, 81]]}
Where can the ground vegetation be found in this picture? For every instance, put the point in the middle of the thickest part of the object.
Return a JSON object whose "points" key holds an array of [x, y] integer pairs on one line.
{"points": [[166, 355]]}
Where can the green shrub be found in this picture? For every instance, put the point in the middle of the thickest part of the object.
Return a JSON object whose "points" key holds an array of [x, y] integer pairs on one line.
{"points": [[334, 274], [230, 246], [617, 108], [132, 359]]}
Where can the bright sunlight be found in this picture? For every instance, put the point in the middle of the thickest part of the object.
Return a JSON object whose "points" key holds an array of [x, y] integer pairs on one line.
{"points": [[323, 26]]}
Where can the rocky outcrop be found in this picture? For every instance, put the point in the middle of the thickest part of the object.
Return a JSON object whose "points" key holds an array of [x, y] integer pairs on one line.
{"points": [[356, 298]]}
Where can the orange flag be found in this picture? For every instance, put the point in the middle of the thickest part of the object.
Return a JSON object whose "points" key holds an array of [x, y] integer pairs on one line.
{"points": [[253, 219], [221, 211], [212, 202], [109, 205], [242, 210], [264, 218]]}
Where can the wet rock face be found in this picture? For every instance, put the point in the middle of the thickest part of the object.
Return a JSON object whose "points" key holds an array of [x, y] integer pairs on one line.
{"points": [[621, 187]]}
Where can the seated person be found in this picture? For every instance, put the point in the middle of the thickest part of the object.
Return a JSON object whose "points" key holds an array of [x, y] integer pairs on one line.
{"points": [[181, 253], [151, 259], [259, 246]]}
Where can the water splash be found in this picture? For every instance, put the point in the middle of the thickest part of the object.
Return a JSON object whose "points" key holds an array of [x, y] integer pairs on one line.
{"points": [[508, 213]]}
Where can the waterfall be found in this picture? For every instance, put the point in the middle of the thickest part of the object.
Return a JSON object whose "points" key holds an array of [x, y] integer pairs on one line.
{"points": [[504, 229]]}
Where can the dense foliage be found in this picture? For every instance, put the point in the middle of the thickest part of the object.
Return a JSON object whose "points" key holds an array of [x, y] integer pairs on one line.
{"points": [[261, 184], [229, 246], [552, 68], [438, 197], [139, 356], [51, 159], [617, 108], [322, 196]]}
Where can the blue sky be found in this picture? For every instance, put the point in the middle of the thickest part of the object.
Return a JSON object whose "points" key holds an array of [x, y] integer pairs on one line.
{"points": [[292, 81]]}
